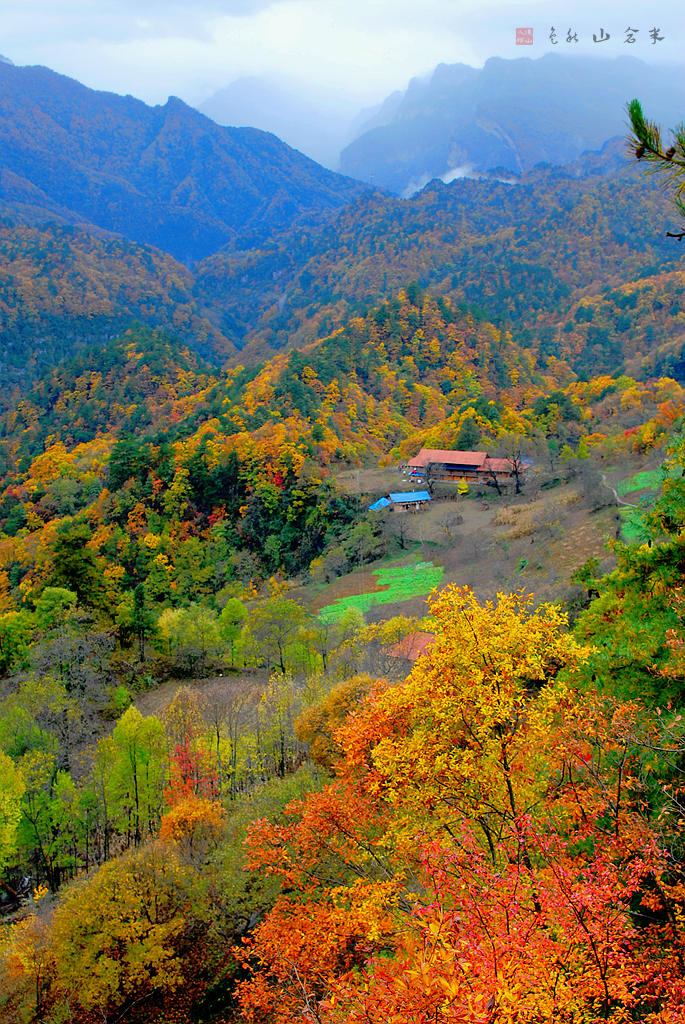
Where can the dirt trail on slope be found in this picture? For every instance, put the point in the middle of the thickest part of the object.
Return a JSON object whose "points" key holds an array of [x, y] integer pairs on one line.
{"points": [[619, 501]]}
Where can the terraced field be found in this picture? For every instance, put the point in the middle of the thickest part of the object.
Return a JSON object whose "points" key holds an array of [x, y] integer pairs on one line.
{"points": [[393, 584]]}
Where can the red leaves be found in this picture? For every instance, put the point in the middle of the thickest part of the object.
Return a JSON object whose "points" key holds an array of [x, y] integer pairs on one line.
{"points": [[484, 836], [305, 946], [190, 774]]}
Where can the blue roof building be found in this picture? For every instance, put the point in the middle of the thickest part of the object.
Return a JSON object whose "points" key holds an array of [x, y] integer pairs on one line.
{"points": [[400, 499]]}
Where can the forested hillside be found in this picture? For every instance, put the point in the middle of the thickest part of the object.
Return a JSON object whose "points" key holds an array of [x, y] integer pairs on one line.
{"points": [[144, 380], [153, 442], [490, 838], [252, 770], [525, 252], [638, 325], [164, 176], [62, 289], [528, 253], [169, 477]]}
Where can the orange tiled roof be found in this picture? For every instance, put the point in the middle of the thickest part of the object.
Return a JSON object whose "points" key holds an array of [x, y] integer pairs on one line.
{"points": [[499, 465], [412, 646], [448, 458]]}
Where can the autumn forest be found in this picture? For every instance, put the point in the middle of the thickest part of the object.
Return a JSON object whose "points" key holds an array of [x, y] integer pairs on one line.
{"points": [[270, 755]]}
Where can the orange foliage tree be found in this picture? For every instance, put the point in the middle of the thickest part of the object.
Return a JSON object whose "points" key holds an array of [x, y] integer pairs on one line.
{"points": [[482, 855]]}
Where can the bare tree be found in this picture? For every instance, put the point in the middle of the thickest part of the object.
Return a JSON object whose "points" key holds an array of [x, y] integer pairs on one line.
{"points": [[492, 478], [225, 712], [430, 477], [514, 445], [448, 523]]}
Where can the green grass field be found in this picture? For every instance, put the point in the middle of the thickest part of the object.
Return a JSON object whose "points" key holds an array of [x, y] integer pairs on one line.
{"points": [[647, 479], [632, 530], [400, 583]]}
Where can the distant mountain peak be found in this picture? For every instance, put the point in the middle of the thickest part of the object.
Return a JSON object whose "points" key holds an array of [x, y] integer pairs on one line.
{"points": [[511, 113], [165, 176]]}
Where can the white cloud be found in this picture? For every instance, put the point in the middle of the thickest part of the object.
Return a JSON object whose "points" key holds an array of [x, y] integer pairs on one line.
{"points": [[453, 174], [365, 48]]}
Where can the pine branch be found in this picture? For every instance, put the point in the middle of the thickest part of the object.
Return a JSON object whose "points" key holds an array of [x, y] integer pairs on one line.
{"points": [[647, 144]]}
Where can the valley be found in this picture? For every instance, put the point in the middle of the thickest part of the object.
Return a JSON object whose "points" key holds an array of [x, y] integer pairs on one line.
{"points": [[281, 743]]}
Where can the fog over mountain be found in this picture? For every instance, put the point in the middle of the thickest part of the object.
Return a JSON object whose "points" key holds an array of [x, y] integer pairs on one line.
{"points": [[510, 114], [318, 124]]}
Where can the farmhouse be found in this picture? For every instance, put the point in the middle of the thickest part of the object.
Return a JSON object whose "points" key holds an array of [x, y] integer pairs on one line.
{"points": [[401, 501], [442, 464]]}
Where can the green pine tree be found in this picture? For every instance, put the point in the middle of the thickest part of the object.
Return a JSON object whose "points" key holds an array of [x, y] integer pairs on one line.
{"points": [[662, 158]]}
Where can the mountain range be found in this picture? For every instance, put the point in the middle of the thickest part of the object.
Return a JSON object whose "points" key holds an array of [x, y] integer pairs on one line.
{"points": [[510, 114], [524, 253], [116, 212], [164, 176]]}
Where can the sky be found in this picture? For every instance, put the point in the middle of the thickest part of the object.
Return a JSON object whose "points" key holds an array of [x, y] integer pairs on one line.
{"points": [[357, 50]]}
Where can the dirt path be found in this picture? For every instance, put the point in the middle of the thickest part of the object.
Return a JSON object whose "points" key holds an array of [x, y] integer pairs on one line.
{"points": [[619, 501]]}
